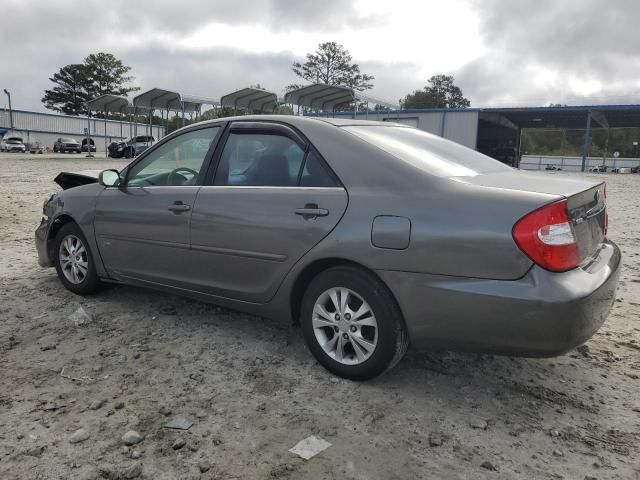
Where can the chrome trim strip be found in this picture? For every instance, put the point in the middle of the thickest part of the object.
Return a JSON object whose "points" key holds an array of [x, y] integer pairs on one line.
{"points": [[148, 241], [271, 257], [269, 187], [159, 186]]}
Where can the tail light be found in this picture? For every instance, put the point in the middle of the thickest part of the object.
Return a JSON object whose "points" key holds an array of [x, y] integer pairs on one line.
{"points": [[547, 237]]}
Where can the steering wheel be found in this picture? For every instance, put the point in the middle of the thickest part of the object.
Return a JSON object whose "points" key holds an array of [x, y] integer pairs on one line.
{"points": [[172, 178]]}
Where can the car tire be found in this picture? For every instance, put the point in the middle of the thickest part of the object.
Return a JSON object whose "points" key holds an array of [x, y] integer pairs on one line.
{"points": [[70, 239], [354, 348]]}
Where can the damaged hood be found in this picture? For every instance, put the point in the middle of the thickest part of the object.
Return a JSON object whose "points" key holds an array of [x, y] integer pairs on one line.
{"points": [[69, 180]]}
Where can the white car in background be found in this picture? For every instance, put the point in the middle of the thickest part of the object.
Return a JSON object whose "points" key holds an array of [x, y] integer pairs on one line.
{"points": [[13, 144]]}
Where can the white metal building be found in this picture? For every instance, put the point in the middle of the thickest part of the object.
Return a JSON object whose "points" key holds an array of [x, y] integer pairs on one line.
{"points": [[46, 128]]}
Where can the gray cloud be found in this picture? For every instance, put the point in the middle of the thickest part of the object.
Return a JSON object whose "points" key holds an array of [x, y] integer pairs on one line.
{"points": [[571, 40], [39, 38], [575, 39]]}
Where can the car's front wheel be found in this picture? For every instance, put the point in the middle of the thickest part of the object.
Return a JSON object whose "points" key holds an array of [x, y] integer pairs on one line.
{"points": [[73, 260], [352, 323]]}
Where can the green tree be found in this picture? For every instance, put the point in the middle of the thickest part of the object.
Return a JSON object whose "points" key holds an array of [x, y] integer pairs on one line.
{"points": [[332, 64], [440, 92], [75, 84], [283, 110], [107, 75], [69, 94]]}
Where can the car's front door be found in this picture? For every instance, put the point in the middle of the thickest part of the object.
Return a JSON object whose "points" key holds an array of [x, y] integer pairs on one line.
{"points": [[142, 227], [272, 199]]}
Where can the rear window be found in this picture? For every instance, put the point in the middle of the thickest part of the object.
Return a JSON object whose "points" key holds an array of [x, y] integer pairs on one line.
{"points": [[428, 152]]}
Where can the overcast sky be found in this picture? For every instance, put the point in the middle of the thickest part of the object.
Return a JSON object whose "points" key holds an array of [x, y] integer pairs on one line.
{"points": [[502, 52]]}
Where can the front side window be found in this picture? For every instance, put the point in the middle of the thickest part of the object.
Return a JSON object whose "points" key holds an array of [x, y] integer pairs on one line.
{"points": [[175, 163], [258, 159]]}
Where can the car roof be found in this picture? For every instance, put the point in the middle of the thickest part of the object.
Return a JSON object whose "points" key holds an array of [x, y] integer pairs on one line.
{"points": [[300, 121]]}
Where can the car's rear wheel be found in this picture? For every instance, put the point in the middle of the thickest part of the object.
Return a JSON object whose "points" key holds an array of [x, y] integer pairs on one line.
{"points": [[352, 323], [73, 260]]}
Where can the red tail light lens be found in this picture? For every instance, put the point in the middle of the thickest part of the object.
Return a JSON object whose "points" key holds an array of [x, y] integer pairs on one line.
{"points": [[546, 236]]}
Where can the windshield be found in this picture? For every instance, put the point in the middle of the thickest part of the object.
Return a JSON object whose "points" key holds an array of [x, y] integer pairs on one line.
{"points": [[68, 140], [14, 140], [428, 152]]}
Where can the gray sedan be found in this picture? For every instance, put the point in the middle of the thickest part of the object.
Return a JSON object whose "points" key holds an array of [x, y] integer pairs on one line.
{"points": [[370, 235]]}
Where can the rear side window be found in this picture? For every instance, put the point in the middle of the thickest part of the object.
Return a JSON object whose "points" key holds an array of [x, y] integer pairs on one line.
{"points": [[270, 160], [315, 174], [428, 152], [259, 160]]}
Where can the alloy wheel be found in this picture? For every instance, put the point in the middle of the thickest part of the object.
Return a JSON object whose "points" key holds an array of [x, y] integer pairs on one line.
{"points": [[345, 326], [73, 259]]}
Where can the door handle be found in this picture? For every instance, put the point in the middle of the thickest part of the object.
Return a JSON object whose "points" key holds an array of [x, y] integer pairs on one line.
{"points": [[178, 207], [311, 210]]}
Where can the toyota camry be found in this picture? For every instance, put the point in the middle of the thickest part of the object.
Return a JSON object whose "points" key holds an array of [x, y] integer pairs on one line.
{"points": [[372, 236]]}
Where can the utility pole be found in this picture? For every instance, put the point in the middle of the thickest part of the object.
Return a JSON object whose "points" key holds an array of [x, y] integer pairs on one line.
{"points": [[10, 109]]}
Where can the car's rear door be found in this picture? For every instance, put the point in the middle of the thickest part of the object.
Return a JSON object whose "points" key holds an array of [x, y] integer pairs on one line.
{"points": [[271, 199], [142, 229]]}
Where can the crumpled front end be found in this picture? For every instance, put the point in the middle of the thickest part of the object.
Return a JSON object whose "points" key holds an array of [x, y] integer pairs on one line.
{"points": [[42, 244], [42, 233]]}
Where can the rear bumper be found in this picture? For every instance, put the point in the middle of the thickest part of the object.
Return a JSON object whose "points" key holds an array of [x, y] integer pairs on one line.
{"points": [[542, 314]]}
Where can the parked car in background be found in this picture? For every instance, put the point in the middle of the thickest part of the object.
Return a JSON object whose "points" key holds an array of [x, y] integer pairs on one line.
{"points": [[136, 145], [13, 144], [66, 145], [90, 142], [130, 147], [116, 149], [552, 167], [599, 169], [371, 235], [35, 147]]}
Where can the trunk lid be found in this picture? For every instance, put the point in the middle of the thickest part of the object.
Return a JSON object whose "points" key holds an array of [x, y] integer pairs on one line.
{"points": [[585, 200], [588, 214], [549, 183]]}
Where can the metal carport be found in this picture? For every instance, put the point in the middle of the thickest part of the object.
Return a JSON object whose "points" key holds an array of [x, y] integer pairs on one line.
{"points": [[584, 118], [323, 97], [250, 99], [167, 100], [109, 104]]}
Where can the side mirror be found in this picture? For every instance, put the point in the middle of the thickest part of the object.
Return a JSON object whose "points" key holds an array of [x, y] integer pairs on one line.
{"points": [[109, 178]]}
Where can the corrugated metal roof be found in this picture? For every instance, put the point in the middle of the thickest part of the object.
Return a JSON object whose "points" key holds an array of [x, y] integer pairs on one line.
{"points": [[109, 103], [326, 97], [160, 99], [250, 99]]}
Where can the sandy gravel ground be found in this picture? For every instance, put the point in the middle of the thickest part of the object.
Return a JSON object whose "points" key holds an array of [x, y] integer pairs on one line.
{"points": [[252, 390]]}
